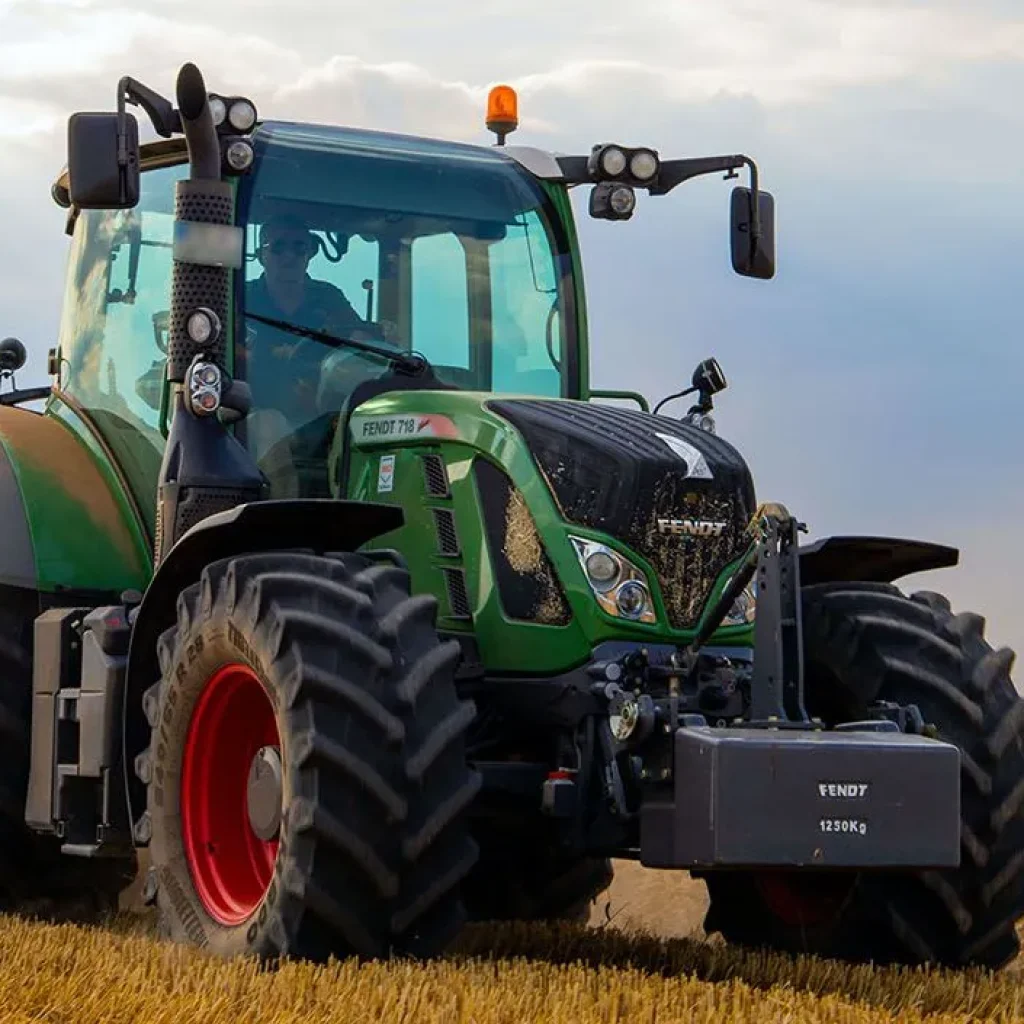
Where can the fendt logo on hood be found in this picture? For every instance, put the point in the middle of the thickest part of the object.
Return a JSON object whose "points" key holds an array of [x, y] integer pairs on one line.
{"points": [[691, 527]]}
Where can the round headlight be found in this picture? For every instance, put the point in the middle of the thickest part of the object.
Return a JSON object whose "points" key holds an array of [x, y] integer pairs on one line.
{"points": [[613, 161], [208, 374], [644, 165], [631, 600], [242, 115], [602, 569], [622, 200], [218, 111], [202, 325], [239, 155]]}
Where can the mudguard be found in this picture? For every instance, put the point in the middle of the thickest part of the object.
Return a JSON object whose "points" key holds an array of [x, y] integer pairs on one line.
{"points": [[318, 524], [871, 559], [65, 526]]}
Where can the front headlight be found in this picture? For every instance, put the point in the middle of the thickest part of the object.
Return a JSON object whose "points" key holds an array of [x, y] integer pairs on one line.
{"points": [[619, 587], [743, 608]]}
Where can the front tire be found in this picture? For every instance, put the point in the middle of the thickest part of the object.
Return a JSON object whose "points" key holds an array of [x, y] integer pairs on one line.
{"points": [[868, 642], [351, 839]]}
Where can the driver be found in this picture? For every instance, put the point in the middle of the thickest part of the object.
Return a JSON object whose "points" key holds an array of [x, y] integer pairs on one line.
{"points": [[290, 367], [285, 291]]}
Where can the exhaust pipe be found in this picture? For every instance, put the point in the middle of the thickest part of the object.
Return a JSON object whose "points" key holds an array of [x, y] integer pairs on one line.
{"points": [[205, 469]]}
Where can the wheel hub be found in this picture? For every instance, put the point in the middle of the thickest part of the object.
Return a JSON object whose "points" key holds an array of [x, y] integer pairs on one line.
{"points": [[227, 805], [264, 793]]}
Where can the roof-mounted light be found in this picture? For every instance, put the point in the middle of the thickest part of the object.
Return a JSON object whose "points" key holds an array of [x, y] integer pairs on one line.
{"points": [[637, 167], [242, 115], [644, 164], [612, 201], [239, 155], [232, 113], [612, 161], [502, 111], [218, 110]]}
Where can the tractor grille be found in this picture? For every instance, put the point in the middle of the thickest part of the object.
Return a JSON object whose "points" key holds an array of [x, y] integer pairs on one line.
{"points": [[447, 537], [435, 477], [458, 597]]}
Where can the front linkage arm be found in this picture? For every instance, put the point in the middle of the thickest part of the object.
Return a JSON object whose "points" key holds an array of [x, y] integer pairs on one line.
{"points": [[777, 687]]}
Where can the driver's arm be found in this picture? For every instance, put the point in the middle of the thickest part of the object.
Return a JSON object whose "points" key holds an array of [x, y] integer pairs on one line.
{"points": [[341, 317]]}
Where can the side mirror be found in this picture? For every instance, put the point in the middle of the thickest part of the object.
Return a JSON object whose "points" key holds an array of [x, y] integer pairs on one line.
{"points": [[749, 259], [101, 174]]}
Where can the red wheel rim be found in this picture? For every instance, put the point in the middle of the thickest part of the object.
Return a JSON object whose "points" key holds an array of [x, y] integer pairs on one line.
{"points": [[805, 901], [231, 866]]}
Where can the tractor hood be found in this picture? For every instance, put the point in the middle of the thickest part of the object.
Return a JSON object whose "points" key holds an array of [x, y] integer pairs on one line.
{"points": [[673, 495], [676, 495]]}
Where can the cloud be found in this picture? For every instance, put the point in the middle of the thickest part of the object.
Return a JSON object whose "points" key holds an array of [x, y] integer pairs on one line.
{"points": [[789, 51]]}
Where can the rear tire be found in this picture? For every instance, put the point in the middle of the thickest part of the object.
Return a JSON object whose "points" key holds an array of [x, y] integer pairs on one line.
{"points": [[336, 664], [35, 878], [867, 642]]}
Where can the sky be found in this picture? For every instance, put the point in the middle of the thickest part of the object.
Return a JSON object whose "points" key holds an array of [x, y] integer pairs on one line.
{"points": [[874, 384]]}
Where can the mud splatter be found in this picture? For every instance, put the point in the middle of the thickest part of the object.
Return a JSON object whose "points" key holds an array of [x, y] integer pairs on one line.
{"points": [[525, 554], [686, 568]]}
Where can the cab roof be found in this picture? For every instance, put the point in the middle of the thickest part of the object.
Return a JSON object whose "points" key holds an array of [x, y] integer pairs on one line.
{"points": [[302, 135]]}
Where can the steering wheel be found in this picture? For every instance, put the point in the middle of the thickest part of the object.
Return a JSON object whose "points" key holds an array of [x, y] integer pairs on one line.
{"points": [[314, 363]]}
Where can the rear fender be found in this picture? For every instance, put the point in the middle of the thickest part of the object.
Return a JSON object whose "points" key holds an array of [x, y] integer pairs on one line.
{"points": [[312, 524], [66, 526], [871, 559]]}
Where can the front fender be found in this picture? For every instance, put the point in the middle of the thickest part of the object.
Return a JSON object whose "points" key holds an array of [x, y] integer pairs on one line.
{"points": [[317, 524], [871, 559]]}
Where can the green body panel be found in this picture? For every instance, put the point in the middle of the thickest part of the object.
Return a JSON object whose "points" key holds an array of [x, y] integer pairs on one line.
{"points": [[505, 645], [85, 534]]}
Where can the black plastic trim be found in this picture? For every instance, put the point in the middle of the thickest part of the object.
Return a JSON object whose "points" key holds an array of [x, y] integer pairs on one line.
{"points": [[871, 559]]}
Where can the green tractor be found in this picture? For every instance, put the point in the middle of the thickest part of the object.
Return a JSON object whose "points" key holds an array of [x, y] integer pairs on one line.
{"points": [[328, 579]]}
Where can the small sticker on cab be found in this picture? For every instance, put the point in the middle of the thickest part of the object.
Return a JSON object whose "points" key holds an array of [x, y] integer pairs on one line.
{"points": [[386, 474]]}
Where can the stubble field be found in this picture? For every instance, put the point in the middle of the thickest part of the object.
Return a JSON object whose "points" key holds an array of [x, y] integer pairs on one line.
{"points": [[641, 960]]}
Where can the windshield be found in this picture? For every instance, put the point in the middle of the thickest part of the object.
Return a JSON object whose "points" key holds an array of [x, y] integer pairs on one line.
{"points": [[405, 245]]}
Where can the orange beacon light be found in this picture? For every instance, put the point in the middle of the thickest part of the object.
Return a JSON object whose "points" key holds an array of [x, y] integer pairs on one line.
{"points": [[502, 111]]}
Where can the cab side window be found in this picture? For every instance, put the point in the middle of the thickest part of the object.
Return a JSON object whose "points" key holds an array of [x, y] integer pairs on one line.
{"points": [[440, 305], [113, 334], [525, 303]]}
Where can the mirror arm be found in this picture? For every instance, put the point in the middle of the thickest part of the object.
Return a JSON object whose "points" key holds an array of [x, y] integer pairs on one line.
{"points": [[19, 395], [755, 205], [165, 119], [674, 172]]}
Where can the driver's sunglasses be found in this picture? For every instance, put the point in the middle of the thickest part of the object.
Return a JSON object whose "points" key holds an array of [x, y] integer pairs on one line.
{"points": [[280, 246]]}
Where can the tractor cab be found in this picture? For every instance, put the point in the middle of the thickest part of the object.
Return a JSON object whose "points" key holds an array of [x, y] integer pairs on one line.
{"points": [[388, 248]]}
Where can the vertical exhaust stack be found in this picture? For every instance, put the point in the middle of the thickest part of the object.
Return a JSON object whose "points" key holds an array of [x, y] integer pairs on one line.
{"points": [[205, 469], [203, 203]]}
